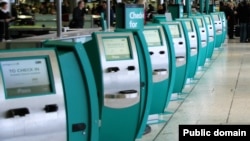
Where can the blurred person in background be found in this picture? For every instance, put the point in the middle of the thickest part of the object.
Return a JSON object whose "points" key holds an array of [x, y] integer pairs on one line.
{"points": [[5, 19]]}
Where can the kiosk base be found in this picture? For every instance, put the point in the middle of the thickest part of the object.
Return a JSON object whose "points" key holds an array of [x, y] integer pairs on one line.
{"points": [[147, 130]]}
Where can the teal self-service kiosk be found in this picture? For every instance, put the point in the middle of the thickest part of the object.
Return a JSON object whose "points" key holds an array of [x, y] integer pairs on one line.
{"points": [[201, 29], [211, 35], [163, 66], [192, 41], [181, 52], [123, 75], [48, 94], [218, 29], [224, 26]]}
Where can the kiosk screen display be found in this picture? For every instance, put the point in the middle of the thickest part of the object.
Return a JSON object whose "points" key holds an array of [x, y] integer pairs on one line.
{"points": [[152, 37], [174, 29], [116, 48], [25, 77], [199, 22], [189, 26], [208, 21], [216, 17]]}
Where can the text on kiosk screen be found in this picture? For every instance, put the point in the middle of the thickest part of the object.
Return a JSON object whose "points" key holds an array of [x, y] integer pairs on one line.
{"points": [[25, 77], [174, 29], [152, 37], [116, 49]]}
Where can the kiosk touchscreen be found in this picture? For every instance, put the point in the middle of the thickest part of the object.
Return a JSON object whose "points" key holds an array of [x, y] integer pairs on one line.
{"points": [[218, 29], [32, 97], [38, 99], [192, 42], [203, 35], [211, 35], [121, 83], [180, 48], [158, 47]]}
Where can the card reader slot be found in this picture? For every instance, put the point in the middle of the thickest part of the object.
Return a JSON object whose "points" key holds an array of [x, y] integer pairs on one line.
{"points": [[192, 36], [160, 71], [210, 28], [193, 48], [50, 108], [126, 94], [162, 52], [151, 53], [180, 43], [17, 112], [131, 68], [113, 69], [180, 58], [202, 30]]}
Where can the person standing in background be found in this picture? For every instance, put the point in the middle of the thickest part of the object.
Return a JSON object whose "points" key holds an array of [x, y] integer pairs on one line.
{"points": [[104, 10], [230, 14], [5, 19], [243, 15], [78, 16]]}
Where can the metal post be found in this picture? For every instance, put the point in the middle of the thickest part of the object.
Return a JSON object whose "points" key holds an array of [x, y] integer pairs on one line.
{"points": [[188, 7], [201, 6], [207, 6], [108, 14], [59, 18]]}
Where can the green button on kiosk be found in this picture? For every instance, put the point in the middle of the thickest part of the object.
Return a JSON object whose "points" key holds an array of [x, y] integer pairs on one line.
{"points": [[218, 29], [203, 35], [211, 35], [124, 79], [47, 94], [192, 41], [181, 51], [163, 66]]}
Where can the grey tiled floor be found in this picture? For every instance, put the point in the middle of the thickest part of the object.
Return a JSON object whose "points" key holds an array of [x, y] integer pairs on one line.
{"points": [[221, 95]]}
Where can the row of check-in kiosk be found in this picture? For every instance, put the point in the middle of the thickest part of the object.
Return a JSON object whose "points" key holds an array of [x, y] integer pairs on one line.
{"points": [[105, 88]]}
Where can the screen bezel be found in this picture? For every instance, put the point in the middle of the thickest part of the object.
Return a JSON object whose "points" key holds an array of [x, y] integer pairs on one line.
{"points": [[117, 59], [49, 71], [159, 33], [216, 19], [202, 24], [207, 18], [180, 34], [191, 24]]}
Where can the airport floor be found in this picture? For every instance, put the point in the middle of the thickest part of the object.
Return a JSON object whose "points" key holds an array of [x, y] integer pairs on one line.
{"points": [[220, 94]]}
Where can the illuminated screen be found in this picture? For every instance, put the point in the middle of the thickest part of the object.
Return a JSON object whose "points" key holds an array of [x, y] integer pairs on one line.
{"points": [[174, 29], [152, 37], [25, 77], [116, 49], [208, 21], [199, 22], [216, 17], [189, 26]]}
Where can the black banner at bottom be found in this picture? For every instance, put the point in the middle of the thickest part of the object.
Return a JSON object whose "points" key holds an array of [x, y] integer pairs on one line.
{"points": [[214, 132]]}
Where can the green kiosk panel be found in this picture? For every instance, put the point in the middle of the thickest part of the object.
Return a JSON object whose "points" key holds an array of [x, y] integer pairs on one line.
{"points": [[192, 42], [181, 52], [202, 33], [218, 29], [224, 26], [39, 100], [122, 79], [158, 47], [211, 35]]}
